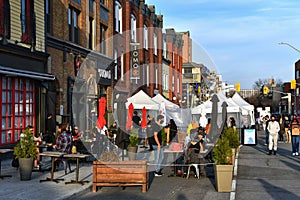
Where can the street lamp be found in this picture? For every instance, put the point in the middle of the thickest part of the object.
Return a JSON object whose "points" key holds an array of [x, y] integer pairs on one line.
{"points": [[295, 98]]}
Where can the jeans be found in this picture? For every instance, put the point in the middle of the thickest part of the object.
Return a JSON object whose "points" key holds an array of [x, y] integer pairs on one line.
{"points": [[158, 157], [295, 143], [267, 137]]}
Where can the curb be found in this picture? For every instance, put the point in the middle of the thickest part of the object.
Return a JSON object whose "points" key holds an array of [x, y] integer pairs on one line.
{"points": [[233, 186]]}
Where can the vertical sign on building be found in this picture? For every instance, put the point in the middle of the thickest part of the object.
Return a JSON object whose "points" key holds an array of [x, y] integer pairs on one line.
{"points": [[135, 61]]}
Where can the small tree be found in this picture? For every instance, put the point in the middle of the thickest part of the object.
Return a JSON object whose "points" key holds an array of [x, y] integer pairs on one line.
{"points": [[232, 135], [222, 152], [26, 147], [133, 138]]}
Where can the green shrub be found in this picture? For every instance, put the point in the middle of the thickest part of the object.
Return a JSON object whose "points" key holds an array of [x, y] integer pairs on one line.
{"points": [[233, 137], [133, 138], [26, 147], [222, 152]]}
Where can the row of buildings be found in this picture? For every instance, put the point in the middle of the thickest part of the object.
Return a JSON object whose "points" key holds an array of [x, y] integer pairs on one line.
{"points": [[58, 53]]}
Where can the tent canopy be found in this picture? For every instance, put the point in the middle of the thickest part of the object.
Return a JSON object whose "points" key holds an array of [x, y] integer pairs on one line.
{"points": [[141, 99], [169, 105]]}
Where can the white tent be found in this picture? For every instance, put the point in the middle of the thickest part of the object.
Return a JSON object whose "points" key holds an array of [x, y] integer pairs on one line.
{"points": [[248, 109], [169, 105], [141, 99]]}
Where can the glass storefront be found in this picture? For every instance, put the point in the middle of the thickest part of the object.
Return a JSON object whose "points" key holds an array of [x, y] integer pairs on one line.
{"points": [[17, 107]]}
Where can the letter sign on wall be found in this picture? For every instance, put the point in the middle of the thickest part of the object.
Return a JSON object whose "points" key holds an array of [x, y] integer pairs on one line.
{"points": [[135, 61]]}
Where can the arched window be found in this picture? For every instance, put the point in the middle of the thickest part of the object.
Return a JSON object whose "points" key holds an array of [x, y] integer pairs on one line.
{"points": [[118, 17], [145, 36]]}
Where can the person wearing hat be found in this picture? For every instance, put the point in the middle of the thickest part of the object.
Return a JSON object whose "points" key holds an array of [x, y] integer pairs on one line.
{"points": [[273, 128]]}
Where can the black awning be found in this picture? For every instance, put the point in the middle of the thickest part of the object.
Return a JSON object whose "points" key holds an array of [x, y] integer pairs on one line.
{"points": [[25, 73]]}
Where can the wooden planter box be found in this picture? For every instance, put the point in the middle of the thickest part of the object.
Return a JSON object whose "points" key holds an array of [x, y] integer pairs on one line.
{"points": [[123, 173]]}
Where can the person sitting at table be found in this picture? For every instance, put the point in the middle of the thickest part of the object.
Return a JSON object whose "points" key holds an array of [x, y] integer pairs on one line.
{"points": [[77, 139], [195, 147], [63, 142]]}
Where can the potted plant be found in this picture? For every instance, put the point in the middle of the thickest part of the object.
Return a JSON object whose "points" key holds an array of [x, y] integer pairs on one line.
{"points": [[223, 168], [133, 144], [26, 152], [234, 141]]}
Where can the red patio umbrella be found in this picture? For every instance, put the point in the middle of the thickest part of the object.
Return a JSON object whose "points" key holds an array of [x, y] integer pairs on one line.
{"points": [[144, 120], [129, 117], [101, 111]]}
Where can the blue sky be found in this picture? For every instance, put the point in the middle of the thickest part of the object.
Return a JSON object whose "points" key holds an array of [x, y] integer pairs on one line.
{"points": [[239, 37]]}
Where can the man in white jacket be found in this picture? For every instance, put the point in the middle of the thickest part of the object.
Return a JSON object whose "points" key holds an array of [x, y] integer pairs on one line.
{"points": [[273, 128]]}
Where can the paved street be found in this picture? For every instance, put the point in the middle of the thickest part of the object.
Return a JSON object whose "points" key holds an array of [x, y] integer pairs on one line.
{"points": [[259, 176], [262, 176]]}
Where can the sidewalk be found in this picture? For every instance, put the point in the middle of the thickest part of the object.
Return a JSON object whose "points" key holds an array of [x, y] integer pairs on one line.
{"points": [[12, 188], [262, 176]]}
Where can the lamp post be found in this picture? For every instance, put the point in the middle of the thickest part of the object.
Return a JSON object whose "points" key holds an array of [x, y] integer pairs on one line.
{"points": [[295, 98]]}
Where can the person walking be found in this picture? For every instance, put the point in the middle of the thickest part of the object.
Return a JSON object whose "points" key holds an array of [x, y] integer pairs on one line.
{"points": [[267, 131], [273, 128], [157, 146], [287, 123], [295, 126]]}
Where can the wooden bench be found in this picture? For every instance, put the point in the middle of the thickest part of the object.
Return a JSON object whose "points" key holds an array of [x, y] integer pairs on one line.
{"points": [[123, 173]]}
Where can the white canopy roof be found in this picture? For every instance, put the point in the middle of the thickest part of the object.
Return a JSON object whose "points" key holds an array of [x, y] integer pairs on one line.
{"points": [[141, 99], [240, 101], [169, 105]]}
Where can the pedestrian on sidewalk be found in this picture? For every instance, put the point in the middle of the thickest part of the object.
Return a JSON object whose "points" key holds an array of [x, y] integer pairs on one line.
{"points": [[273, 128], [287, 124], [267, 119], [157, 147], [295, 136]]}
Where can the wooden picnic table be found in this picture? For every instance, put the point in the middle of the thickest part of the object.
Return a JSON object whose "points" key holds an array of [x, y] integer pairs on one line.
{"points": [[77, 156], [53, 155]]}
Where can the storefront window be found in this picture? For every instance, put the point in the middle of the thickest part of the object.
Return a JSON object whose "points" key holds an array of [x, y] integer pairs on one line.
{"points": [[17, 107]]}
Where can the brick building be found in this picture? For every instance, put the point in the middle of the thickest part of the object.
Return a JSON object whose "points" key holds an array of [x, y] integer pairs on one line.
{"points": [[24, 71]]}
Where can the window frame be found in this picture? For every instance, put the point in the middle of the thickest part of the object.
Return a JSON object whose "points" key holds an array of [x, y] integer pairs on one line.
{"points": [[118, 17]]}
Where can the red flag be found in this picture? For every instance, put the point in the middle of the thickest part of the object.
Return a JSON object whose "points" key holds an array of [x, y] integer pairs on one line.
{"points": [[129, 117], [144, 120], [101, 112]]}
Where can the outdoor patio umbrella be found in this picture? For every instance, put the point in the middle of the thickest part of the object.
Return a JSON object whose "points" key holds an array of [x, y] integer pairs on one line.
{"points": [[129, 117], [101, 111], [144, 120]]}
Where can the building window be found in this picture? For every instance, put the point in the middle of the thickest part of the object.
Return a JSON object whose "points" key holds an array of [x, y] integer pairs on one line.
{"points": [[48, 16], [103, 39], [122, 67], [27, 21], [116, 63], [297, 74], [118, 17], [73, 25], [147, 75], [103, 2], [156, 77], [91, 33], [155, 43], [91, 6], [188, 70], [77, 2], [145, 36], [164, 46], [17, 107], [5, 18], [133, 28]]}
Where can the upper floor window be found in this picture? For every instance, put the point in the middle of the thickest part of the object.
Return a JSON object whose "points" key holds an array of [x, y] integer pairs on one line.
{"points": [[48, 15], [154, 43], [91, 33], [91, 6], [133, 28], [145, 36], [77, 1], [103, 39], [5, 18], [118, 17], [73, 25], [27, 21]]}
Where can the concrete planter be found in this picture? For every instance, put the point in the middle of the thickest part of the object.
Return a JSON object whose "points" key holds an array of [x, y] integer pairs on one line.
{"points": [[132, 151], [25, 167], [223, 177]]}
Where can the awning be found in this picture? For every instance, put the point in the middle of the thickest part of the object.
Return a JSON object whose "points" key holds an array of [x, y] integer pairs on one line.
{"points": [[25, 73]]}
